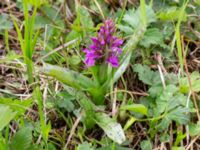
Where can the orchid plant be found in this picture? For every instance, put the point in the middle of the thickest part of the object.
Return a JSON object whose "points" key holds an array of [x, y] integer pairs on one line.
{"points": [[106, 60]]}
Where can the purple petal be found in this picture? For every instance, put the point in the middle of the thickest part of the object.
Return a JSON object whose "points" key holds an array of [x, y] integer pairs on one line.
{"points": [[117, 42], [94, 47], [95, 40], [109, 38], [116, 50], [113, 60], [102, 30], [103, 42], [86, 50], [89, 62]]}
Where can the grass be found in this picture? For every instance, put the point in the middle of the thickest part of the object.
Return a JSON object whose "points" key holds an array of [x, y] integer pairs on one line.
{"points": [[28, 41], [178, 36], [51, 100]]}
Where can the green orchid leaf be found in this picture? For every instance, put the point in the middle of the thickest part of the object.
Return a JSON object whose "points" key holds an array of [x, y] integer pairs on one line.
{"points": [[112, 129], [68, 77]]}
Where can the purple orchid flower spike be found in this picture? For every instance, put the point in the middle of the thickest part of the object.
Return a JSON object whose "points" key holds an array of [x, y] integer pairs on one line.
{"points": [[105, 47]]}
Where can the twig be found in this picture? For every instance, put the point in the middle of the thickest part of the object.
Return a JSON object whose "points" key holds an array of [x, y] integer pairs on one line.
{"points": [[189, 80], [130, 93], [8, 8], [98, 6], [44, 101], [187, 126], [73, 130], [192, 142], [114, 103], [159, 59], [162, 76], [57, 49]]}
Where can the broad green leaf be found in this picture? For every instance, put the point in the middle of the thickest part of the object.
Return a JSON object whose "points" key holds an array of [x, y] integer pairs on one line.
{"points": [[155, 91], [164, 124], [128, 30], [179, 115], [51, 146], [6, 115], [64, 101], [3, 145], [41, 22], [16, 105], [165, 137], [85, 18], [165, 99], [72, 35], [135, 108], [134, 18], [152, 36], [98, 94], [85, 146], [195, 80], [171, 14], [5, 23], [68, 77], [51, 13], [112, 129], [22, 139], [74, 60], [177, 100], [82, 25], [146, 75], [150, 14], [194, 129], [146, 145], [89, 112]]}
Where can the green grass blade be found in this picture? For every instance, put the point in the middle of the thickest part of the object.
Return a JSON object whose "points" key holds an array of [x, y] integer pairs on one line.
{"points": [[44, 128], [34, 41], [32, 22], [20, 38], [178, 36], [26, 33]]}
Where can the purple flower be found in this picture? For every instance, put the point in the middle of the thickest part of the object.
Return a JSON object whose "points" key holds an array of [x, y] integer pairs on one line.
{"points": [[105, 47]]}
